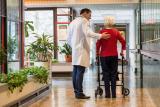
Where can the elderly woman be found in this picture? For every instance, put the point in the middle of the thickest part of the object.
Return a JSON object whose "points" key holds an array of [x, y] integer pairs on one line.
{"points": [[107, 50]]}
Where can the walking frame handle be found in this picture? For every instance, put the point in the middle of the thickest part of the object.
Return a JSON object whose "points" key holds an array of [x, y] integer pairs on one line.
{"points": [[122, 62]]}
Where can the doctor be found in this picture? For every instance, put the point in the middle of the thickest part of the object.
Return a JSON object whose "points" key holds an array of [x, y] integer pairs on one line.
{"points": [[79, 33]]}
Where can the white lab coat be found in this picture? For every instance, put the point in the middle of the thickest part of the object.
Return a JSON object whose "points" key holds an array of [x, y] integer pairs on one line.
{"points": [[78, 37]]}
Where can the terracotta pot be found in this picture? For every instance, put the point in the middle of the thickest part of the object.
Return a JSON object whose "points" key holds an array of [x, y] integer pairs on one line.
{"points": [[68, 58]]}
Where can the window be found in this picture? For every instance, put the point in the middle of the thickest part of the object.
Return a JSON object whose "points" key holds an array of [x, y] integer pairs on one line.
{"points": [[63, 20], [0, 24], [46, 21], [62, 36], [150, 13], [150, 21], [13, 34], [13, 53], [0, 29], [0, 38], [42, 21], [0, 7], [63, 10], [1, 14], [13, 9]]}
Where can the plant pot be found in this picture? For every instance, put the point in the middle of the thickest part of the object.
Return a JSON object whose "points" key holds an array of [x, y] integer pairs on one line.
{"points": [[68, 58]]}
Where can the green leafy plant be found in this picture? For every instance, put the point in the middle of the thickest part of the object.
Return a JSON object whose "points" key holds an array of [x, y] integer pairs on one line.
{"points": [[66, 49], [28, 26], [12, 46], [3, 78], [16, 80], [40, 74], [42, 48], [19, 79], [32, 55], [3, 55]]}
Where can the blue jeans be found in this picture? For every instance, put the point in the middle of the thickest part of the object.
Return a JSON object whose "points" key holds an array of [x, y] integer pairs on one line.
{"points": [[77, 78]]}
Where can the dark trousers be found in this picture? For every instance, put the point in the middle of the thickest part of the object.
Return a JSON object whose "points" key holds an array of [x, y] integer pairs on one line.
{"points": [[77, 78], [109, 70]]}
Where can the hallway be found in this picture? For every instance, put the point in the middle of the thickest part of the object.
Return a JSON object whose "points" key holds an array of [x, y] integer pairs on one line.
{"points": [[62, 94], [28, 66]]}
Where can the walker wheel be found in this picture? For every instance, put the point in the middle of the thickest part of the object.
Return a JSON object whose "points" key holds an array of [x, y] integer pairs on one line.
{"points": [[100, 91], [126, 91]]}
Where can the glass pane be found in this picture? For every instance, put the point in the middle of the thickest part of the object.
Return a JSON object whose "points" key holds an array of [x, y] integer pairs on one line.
{"points": [[62, 36], [0, 7], [63, 10], [13, 9], [12, 46], [62, 31], [150, 26], [42, 22], [0, 39], [62, 18], [0, 29]]}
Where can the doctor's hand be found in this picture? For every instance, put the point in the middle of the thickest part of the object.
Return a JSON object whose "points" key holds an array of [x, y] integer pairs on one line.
{"points": [[105, 35]]}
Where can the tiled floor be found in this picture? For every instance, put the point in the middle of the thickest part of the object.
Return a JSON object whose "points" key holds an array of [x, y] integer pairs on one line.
{"points": [[62, 94]]}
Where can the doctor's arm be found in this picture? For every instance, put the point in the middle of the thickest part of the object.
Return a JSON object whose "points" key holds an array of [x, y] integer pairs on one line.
{"points": [[88, 32]]}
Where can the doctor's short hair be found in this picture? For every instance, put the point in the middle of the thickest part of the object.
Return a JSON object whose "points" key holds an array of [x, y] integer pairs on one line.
{"points": [[85, 10]]}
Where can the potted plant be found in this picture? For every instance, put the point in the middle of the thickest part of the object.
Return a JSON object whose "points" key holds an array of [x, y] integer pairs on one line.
{"points": [[42, 49], [67, 50]]}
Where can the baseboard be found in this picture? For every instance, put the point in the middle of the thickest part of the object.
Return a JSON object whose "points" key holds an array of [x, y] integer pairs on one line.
{"points": [[61, 74], [31, 98]]}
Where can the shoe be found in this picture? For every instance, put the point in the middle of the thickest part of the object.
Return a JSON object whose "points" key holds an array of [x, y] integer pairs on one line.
{"points": [[82, 96], [113, 96], [107, 97]]}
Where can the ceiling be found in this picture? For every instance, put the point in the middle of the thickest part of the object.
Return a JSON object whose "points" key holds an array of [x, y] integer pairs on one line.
{"points": [[107, 6], [60, 3]]}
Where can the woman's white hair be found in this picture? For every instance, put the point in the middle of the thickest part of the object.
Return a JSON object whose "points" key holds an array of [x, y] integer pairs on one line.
{"points": [[109, 20]]}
